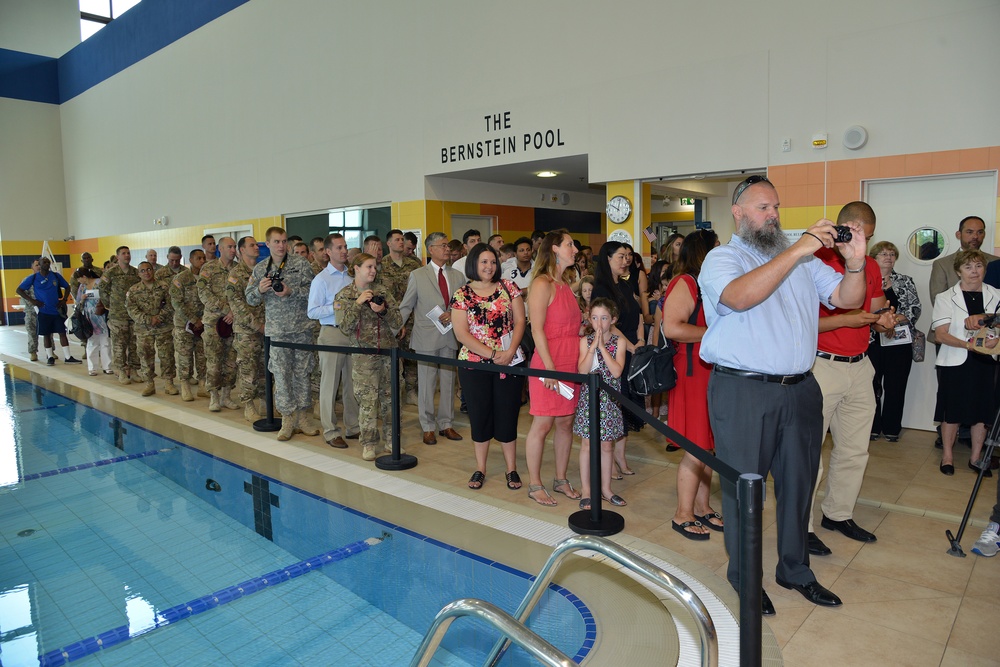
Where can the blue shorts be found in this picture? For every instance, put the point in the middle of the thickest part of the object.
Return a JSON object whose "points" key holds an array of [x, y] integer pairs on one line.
{"points": [[50, 324]]}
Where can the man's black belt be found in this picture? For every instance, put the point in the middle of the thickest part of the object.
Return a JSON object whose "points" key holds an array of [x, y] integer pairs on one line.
{"points": [[837, 357], [763, 377]]}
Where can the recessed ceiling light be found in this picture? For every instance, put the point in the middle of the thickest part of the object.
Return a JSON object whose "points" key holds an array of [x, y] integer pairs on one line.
{"points": [[546, 174]]}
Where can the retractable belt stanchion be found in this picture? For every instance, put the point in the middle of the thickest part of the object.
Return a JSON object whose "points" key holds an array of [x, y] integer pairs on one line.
{"points": [[395, 461], [750, 498], [596, 521], [268, 423]]}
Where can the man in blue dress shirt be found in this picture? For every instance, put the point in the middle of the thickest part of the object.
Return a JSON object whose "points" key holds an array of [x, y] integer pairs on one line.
{"points": [[761, 295]]}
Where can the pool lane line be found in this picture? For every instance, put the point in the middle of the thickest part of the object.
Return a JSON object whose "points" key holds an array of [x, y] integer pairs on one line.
{"points": [[94, 464], [166, 617], [43, 407]]}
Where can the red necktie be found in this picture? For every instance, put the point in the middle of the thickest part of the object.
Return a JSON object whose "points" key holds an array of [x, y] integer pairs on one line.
{"points": [[443, 284]]}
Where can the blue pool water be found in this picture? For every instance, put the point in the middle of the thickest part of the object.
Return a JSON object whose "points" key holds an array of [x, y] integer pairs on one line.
{"points": [[119, 546]]}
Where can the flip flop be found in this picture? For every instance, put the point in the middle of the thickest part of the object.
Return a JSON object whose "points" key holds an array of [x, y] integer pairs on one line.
{"points": [[682, 528], [513, 479], [705, 521], [476, 481]]}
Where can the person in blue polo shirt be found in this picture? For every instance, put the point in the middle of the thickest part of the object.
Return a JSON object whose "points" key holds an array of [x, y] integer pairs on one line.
{"points": [[51, 291]]}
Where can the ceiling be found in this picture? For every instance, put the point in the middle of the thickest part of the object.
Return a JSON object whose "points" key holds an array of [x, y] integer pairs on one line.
{"points": [[573, 176]]}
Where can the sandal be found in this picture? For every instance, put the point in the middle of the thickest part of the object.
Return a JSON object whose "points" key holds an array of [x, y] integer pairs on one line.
{"points": [[476, 481], [513, 480], [535, 488], [623, 471], [682, 528], [585, 503], [615, 500], [572, 494], [706, 520]]}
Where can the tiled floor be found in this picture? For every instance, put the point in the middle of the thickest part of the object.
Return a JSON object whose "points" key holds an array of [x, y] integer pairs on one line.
{"points": [[906, 602]]}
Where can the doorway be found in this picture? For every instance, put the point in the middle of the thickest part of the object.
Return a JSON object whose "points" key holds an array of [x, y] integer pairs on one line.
{"points": [[938, 202]]}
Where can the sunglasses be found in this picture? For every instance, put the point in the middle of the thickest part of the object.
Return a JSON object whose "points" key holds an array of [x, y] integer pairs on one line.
{"points": [[752, 180]]}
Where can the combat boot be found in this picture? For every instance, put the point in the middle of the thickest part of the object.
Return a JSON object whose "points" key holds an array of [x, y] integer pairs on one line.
{"points": [[123, 377], [34, 356], [186, 394], [368, 452], [202, 392], [305, 423], [169, 388], [250, 412], [226, 399], [149, 389], [287, 427], [213, 401]]}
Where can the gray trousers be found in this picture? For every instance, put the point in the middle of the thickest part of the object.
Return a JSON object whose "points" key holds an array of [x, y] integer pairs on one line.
{"points": [[762, 427], [335, 372], [428, 376]]}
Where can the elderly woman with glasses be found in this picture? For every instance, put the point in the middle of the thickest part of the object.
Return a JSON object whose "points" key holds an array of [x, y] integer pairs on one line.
{"points": [[892, 360]]}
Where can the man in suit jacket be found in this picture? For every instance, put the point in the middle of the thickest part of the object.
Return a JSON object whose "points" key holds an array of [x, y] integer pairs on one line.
{"points": [[424, 291]]}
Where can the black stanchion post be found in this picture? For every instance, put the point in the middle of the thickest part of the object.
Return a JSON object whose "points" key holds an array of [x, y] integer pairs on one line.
{"points": [[750, 499], [268, 423], [395, 461], [596, 520]]}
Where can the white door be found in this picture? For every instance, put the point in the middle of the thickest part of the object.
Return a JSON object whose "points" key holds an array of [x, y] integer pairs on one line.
{"points": [[903, 205], [463, 223]]}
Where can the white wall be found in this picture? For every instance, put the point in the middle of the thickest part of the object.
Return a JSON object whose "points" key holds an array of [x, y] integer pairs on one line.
{"points": [[42, 27], [307, 104], [32, 201]]}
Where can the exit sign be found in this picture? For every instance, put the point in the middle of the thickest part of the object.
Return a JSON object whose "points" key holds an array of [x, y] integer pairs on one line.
{"points": [[687, 201]]}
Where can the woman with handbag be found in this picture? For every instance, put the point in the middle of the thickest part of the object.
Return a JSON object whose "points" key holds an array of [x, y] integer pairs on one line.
{"points": [[88, 302], [687, 411], [892, 360]]}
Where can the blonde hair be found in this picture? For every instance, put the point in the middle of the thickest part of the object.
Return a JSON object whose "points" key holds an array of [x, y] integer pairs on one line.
{"points": [[545, 263], [586, 280]]}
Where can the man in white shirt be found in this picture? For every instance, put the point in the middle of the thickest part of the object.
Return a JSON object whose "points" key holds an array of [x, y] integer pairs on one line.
{"points": [[518, 268], [469, 240], [335, 367]]}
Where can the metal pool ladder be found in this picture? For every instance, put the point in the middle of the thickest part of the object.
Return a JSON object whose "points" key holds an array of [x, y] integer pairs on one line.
{"points": [[513, 629]]}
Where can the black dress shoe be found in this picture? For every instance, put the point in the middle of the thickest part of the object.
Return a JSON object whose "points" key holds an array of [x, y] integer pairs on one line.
{"points": [[766, 606], [813, 592], [816, 546], [849, 529]]}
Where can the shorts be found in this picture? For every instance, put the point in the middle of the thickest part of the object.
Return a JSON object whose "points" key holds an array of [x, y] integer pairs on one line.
{"points": [[50, 324]]}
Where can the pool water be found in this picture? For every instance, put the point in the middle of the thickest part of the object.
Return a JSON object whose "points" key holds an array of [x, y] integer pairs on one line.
{"points": [[119, 546]]}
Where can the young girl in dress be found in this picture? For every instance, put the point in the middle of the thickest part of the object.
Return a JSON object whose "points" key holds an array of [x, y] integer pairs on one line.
{"points": [[600, 352], [583, 291]]}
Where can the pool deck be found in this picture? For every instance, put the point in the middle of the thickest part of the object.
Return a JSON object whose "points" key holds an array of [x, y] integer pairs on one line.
{"points": [[906, 601]]}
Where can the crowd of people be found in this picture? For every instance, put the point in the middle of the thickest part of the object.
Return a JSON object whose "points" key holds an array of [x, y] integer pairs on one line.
{"points": [[822, 333]]}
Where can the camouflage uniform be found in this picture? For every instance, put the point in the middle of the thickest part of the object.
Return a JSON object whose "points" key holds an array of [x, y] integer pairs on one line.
{"points": [[372, 373], [285, 320], [249, 344], [115, 284], [165, 274], [219, 351], [395, 277], [143, 303], [31, 323], [187, 308]]}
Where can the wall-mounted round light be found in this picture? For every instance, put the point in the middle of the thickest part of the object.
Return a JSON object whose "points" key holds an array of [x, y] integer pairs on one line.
{"points": [[546, 174], [855, 137]]}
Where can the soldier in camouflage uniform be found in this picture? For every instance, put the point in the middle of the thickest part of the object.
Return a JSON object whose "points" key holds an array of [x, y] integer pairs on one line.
{"points": [[31, 319], [370, 325], [394, 274], [169, 271], [285, 320], [248, 329], [115, 284], [219, 352], [188, 345], [148, 305]]}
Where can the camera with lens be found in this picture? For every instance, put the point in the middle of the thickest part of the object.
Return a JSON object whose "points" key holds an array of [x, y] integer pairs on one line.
{"points": [[990, 321], [844, 234], [377, 300], [276, 281]]}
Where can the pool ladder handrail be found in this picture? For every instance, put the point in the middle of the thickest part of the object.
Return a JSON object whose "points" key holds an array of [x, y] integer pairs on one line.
{"points": [[498, 618], [519, 633]]}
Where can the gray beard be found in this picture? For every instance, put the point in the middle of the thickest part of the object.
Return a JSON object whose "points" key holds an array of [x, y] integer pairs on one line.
{"points": [[769, 240]]}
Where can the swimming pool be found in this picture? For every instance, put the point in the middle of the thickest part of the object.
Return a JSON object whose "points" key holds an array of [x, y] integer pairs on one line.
{"points": [[113, 535]]}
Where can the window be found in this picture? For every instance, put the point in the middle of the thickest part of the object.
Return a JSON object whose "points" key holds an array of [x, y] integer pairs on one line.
{"points": [[95, 14]]}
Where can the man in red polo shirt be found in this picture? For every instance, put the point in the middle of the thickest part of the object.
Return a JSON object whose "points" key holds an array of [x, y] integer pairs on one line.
{"points": [[844, 374]]}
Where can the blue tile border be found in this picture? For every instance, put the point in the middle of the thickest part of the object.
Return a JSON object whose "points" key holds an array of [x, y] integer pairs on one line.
{"points": [[93, 464], [179, 612]]}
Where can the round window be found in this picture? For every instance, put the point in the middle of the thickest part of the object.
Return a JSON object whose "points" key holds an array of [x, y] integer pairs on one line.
{"points": [[926, 244]]}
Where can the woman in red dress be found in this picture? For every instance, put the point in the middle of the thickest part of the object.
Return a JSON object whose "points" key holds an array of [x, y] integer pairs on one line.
{"points": [[555, 326], [687, 411]]}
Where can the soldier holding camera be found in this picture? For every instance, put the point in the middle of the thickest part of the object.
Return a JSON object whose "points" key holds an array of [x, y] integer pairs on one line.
{"points": [[282, 285]]}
